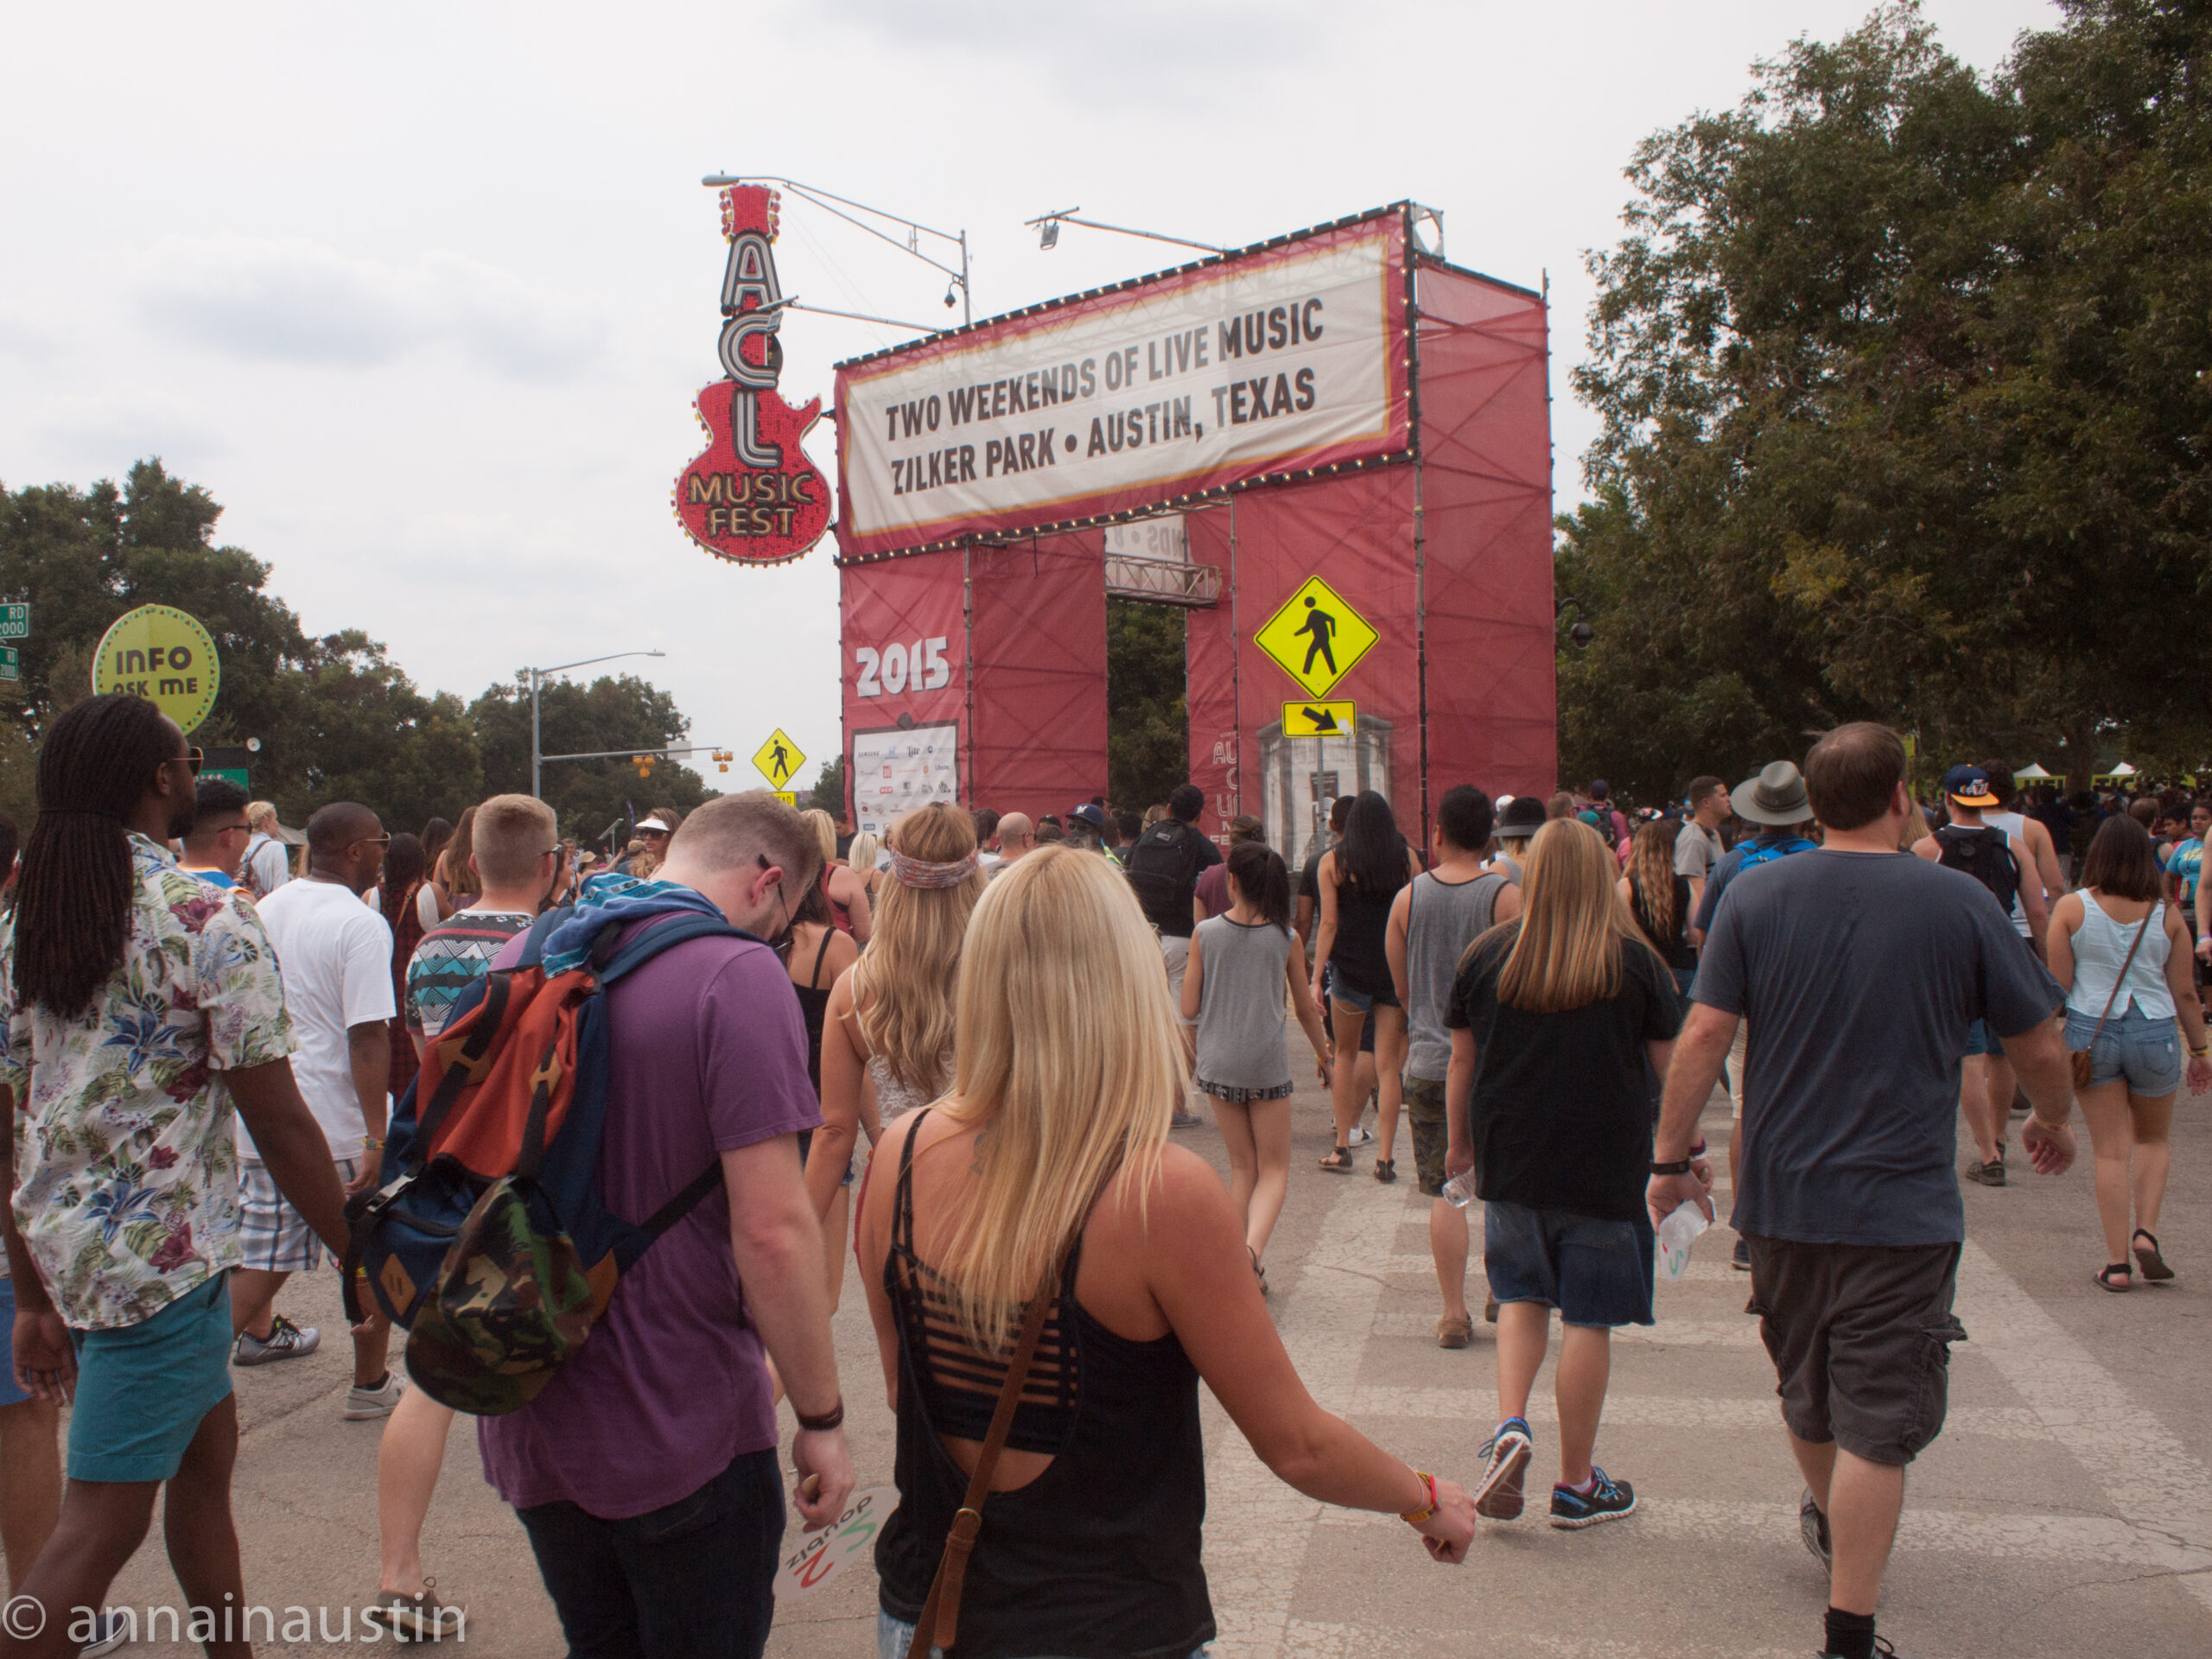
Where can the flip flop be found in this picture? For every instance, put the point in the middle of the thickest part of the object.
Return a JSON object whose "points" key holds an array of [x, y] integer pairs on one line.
{"points": [[2152, 1265], [2104, 1276]]}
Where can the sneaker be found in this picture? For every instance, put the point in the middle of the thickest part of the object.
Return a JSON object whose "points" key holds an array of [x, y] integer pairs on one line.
{"points": [[284, 1341], [1360, 1135], [1608, 1500], [1813, 1526], [1498, 1496], [1184, 1121], [1882, 1650], [365, 1405], [424, 1617], [113, 1633], [1740, 1257], [1989, 1174]]}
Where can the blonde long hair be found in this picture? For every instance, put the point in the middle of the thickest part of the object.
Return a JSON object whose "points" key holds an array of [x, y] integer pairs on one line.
{"points": [[1573, 927], [904, 982], [1070, 1060], [1652, 872], [825, 832]]}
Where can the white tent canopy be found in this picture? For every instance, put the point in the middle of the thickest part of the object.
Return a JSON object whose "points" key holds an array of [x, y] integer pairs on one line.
{"points": [[2033, 770]]}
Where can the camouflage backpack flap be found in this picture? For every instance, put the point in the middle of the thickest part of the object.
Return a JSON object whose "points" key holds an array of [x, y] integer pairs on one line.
{"points": [[511, 1302]]}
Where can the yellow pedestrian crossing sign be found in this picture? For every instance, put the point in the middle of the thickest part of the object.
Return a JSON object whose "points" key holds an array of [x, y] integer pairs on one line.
{"points": [[1319, 719], [1316, 637], [779, 760]]}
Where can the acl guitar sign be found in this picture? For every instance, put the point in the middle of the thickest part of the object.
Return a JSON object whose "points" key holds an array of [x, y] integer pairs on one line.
{"points": [[751, 495]]}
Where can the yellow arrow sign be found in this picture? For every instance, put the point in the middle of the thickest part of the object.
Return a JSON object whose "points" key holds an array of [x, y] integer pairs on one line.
{"points": [[1319, 719], [1316, 637], [779, 759]]}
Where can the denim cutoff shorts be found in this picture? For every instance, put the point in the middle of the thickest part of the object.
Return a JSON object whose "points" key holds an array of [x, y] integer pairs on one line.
{"points": [[2133, 1045], [1595, 1272]]}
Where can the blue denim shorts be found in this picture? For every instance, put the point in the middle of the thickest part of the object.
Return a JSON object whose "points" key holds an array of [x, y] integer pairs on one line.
{"points": [[1596, 1273], [142, 1389], [893, 1636], [1980, 1040], [2134, 1046], [9, 1394]]}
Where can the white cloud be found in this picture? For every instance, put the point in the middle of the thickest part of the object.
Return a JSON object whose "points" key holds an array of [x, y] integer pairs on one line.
{"points": [[286, 300]]}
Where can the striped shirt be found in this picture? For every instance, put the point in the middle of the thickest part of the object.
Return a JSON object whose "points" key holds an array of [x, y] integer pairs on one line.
{"points": [[453, 956]]}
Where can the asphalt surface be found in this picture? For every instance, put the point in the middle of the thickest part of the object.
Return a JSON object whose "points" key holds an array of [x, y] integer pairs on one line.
{"points": [[2067, 1507]]}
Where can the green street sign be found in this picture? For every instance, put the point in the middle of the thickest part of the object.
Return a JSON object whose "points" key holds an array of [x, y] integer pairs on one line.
{"points": [[229, 774], [10, 662], [14, 621]]}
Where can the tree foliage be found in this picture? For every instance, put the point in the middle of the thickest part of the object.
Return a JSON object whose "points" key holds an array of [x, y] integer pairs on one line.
{"points": [[1900, 374], [613, 712], [1148, 726], [336, 718]]}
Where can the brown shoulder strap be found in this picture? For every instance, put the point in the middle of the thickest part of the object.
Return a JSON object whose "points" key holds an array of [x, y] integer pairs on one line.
{"points": [[940, 1617]]}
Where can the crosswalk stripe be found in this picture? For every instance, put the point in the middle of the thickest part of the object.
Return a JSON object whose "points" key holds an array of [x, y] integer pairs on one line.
{"points": [[2099, 1538], [2148, 1476], [1475, 1404]]}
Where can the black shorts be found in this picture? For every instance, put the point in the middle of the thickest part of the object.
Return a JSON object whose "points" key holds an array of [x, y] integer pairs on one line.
{"points": [[1860, 1336]]}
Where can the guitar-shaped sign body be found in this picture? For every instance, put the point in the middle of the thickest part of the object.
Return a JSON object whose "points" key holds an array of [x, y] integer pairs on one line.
{"points": [[751, 495], [744, 509]]}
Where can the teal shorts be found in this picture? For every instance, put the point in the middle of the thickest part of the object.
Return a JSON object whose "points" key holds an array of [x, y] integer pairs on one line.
{"points": [[142, 1389]]}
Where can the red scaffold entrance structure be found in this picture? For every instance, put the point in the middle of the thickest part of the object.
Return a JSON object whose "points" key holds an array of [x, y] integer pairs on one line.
{"points": [[1336, 404]]}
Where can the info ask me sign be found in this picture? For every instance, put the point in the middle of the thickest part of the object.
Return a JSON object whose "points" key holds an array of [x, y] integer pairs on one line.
{"points": [[1286, 358]]}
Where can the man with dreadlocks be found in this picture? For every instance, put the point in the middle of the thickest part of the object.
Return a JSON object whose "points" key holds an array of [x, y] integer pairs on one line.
{"points": [[142, 1006]]}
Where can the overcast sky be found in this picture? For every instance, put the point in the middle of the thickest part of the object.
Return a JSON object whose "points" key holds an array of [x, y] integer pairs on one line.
{"points": [[422, 293]]}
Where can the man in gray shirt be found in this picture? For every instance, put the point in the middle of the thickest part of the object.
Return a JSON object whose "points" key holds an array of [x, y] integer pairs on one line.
{"points": [[1858, 970], [1433, 921], [1697, 849]]}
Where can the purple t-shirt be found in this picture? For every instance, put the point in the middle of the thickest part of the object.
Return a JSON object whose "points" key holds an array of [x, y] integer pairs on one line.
{"points": [[708, 1053]]}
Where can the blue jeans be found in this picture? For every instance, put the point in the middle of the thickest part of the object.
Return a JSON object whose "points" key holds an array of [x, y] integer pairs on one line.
{"points": [[692, 1580], [893, 1636]]}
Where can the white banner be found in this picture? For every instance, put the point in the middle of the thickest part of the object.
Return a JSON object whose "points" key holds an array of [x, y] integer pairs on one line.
{"points": [[894, 772], [1196, 381]]}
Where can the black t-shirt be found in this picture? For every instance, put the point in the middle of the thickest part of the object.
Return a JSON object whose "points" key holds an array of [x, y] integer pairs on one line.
{"points": [[1857, 974], [1562, 1112]]}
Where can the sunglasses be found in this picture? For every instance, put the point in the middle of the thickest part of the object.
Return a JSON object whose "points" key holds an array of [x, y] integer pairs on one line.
{"points": [[194, 758], [371, 841]]}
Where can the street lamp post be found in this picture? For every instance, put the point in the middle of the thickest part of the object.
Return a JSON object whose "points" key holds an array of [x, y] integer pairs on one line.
{"points": [[538, 679], [915, 230]]}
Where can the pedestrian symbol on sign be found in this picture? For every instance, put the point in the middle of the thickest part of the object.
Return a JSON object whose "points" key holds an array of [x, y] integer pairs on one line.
{"points": [[779, 760], [1315, 638]]}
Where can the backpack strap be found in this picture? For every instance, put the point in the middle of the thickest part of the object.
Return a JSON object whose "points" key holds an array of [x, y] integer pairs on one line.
{"points": [[684, 1202]]}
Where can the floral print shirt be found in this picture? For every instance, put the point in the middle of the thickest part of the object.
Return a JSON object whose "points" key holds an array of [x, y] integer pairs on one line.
{"points": [[126, 1170]]}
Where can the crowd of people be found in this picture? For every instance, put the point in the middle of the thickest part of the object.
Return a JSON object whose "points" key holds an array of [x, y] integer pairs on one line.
{"points": [[959, 1057]]}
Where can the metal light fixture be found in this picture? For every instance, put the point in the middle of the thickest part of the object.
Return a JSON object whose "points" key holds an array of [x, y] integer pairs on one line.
{"points": [[1048, 237], [1048, 231]]}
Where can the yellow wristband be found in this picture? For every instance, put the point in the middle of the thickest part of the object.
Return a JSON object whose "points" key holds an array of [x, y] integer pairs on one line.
{"points": [[1416, 1517]]}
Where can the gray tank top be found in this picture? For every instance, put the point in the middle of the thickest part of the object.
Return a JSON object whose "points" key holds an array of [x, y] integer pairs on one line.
{"points": [[1443, 919], [1240, 1002]]}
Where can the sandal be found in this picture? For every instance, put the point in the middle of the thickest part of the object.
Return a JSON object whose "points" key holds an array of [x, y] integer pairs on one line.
{"points": [[1258, 1271], [1340, 1161], [1386, 1170], [2119, 1270], [2152, 1265]]}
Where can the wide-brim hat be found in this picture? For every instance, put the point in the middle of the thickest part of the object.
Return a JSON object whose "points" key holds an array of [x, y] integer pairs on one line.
{"points": [[1524, 816], [1777, 796]]}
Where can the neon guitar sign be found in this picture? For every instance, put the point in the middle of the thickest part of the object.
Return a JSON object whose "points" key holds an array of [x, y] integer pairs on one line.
{"points": [[751, 495]]}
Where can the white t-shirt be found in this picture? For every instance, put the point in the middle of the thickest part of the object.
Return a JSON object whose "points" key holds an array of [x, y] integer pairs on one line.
{"points": [[335, 956], [267, 866]]}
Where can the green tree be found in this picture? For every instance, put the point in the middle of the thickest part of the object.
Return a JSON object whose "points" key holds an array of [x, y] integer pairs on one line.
{"points": [[365, 733], [829, 791], [1147, 727], [622, 713], [1898, 373]]}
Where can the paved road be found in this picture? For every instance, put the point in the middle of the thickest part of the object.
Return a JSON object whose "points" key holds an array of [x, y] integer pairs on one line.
{"points": [[2067, 1507]]}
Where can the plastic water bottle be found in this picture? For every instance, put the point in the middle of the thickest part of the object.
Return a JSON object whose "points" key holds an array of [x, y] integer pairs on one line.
{"points": [[1461, 1189], [1676, 1234]]}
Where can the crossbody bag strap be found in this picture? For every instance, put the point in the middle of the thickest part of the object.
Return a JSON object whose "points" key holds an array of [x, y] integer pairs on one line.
{"points": [[940, 1617], [2126, 962]]}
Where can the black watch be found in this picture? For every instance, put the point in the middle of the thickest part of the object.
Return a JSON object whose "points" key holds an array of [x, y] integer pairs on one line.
{"points": [[1679, 1167]]}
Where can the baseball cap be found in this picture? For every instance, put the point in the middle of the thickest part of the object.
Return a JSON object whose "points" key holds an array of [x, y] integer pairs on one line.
{"points": [[1090, 813], [1968, 786]]}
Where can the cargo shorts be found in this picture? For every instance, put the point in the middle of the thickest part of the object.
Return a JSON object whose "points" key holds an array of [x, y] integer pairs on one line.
{"points": [[1432, 1133]]}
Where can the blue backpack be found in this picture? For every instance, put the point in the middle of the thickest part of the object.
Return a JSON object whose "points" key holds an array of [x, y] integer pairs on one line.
{"points": [[1757, 855], [485, 1238]]}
